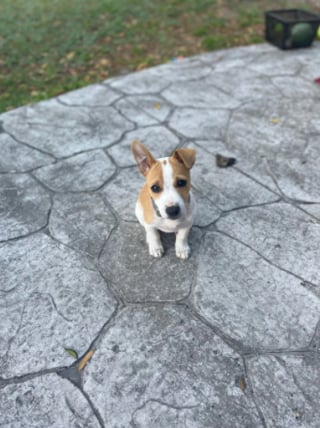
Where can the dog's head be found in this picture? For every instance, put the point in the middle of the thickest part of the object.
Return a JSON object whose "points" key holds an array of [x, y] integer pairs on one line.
{"points": [[168, 179]]}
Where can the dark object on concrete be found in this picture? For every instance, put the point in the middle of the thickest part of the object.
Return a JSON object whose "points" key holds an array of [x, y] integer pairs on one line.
{"points": [[291, 28], [224, 162]]}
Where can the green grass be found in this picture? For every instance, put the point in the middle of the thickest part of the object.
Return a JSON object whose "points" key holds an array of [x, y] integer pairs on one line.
{"points": [[48, 47], [214, 42], [249, 16]]}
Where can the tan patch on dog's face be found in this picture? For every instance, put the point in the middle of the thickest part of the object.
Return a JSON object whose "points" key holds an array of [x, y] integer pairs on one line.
{"points": [[145, 201], [181, 178], [155, 180]]}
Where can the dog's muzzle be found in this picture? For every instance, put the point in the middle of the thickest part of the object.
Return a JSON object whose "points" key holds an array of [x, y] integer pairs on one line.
{"points": [[173, 212]]}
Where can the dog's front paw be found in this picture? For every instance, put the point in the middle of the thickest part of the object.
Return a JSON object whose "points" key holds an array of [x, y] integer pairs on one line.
{"points": [[183, 251], [156, 250]]}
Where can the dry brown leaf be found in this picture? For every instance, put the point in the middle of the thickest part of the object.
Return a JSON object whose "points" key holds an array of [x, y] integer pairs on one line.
{"points": [[82, 363], [242, 384], [141, 66], [70, 55], [224, 161], [104, 62]]}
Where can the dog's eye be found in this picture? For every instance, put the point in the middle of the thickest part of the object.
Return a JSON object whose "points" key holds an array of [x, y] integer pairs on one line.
{"points": [[155, 188], [181, 183]]}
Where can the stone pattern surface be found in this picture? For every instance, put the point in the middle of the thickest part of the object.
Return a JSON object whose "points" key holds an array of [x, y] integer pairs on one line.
{"points": [[45, 402], [94, 332]]}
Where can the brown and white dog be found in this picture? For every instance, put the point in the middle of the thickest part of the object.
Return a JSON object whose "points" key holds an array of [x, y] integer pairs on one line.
{"points": [[165, 202]]}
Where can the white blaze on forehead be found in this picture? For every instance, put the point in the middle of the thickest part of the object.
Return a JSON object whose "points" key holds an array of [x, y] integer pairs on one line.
{"points": [[169, 195], [167, 172]]}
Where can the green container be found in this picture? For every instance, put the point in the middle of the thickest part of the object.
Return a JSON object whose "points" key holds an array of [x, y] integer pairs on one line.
{"points": [[291, 28]]}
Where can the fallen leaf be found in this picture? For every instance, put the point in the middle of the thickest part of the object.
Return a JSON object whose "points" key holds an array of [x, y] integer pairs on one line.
{"points": [[72, 352], [157, 106], [70, 55], [104, 74], [224, 162], [275, 120], [82, 363], [141, 66], [317, 80], [104, 62], [242, 384]]}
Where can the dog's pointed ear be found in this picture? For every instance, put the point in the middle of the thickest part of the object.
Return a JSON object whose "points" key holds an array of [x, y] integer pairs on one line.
{"points": [[143, 157], [185, 156]]}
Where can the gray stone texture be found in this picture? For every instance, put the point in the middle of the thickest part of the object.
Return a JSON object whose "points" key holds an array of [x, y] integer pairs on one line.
{"points": [[125, 263], [227, 188], [149, 81], [16, 157], [63, 130], [204, 123], [199, 94], [81, 221], [122, 192], [284, 133], [53, 298], [93, 96], [229, 337], [160, 365], [243, 295], [287, 389], [158, 137], [281, 233], [144, 110], [24, 206], [83, 172], [47, 401]]}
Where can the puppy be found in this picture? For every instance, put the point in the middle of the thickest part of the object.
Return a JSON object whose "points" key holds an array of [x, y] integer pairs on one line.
{"points": [[165, 202]]}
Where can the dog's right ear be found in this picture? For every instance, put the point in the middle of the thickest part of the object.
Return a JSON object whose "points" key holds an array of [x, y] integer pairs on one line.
{"points": [[143, 157]]}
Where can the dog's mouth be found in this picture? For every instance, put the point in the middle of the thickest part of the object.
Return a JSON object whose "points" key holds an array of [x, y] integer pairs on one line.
{"points": [[174, 218]]}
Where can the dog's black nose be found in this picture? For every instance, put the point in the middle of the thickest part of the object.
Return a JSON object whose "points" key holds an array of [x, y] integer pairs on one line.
{"points": [[173, 211]]}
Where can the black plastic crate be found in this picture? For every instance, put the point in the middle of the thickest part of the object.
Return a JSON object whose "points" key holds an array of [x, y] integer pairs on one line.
{"points": [[291, 28]]}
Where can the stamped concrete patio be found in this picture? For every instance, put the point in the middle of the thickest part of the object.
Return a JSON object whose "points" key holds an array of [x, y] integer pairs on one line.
{"points": [[95, 332]]}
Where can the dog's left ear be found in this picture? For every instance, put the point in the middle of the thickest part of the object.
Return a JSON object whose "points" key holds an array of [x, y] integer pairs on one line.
{"points": [[185, 156]]}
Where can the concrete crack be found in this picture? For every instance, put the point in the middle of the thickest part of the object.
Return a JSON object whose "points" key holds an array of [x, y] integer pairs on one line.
{"points": [[29, 376], [94, 409], [265, 258], [26, 235], [236, 345], [252, 392], [29, 146]]}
